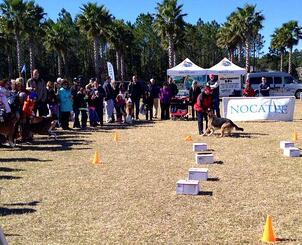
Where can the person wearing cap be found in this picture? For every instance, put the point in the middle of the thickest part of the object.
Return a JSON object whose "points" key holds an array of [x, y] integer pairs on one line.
{"points": [[203, 104], [214, 85], [193, 94], [264, 87]]}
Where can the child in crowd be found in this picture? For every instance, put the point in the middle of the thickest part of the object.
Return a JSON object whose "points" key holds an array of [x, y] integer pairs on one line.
{"points": [[165, 99], [92, 100], [203, 104], [51, 100], [148, 102], [80, 99]]}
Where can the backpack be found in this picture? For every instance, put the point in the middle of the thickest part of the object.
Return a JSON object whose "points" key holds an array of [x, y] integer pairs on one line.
{"points": [[197, 106]]}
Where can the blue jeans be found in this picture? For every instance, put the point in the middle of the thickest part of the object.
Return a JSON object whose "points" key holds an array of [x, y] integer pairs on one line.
{"points": [[136, 103], [200, 116]]}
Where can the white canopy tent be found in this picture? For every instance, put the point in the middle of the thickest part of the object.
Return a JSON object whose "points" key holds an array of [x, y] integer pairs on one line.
{"points": [[226, 67], [186, 68]]}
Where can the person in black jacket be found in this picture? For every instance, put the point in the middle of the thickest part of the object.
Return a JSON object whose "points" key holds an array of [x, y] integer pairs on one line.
{"points": [[214, 85], [99, 101], [193, 94], [172, 86], [109, 99], [135, 93]]}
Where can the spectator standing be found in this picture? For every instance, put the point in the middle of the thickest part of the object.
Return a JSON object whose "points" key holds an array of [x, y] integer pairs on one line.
{"points": [[109, 100], [193, 94], [154, 93], [165, 98], [214, 85], [248, 91], [264, 87], [148, 102], [65, 100], [37, 85], [51, 100], [135, 93], [99, 107], [173, 87]]}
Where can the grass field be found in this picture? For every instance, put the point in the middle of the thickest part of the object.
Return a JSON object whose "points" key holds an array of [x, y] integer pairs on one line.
{"points": [[52, 194]]}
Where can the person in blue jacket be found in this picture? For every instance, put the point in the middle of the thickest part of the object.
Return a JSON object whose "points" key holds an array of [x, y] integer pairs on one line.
{"points": [[65, 100]]}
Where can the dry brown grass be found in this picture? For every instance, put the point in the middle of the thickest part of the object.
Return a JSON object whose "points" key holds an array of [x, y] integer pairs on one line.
{"points": [[52, 194]]}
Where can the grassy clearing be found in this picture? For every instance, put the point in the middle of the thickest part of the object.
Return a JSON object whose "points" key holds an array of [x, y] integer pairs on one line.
{"points": [[52, 194]]}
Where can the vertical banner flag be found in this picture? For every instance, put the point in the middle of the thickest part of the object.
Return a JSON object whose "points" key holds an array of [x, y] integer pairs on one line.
{"points": [[110, 71]]}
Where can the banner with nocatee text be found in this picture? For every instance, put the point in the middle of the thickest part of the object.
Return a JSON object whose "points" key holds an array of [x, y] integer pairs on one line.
{"points": [[279, 108]]}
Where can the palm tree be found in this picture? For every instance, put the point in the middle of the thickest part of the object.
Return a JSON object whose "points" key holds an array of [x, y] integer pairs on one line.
{"points": [[6, 43], [278, 43], [248, 23], [227, 39], [292, 33], [120, 37], [14, 12], [33, 28], [94, 20], [169, 24]]}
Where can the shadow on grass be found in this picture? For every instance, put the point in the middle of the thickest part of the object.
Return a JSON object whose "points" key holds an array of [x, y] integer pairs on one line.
{"points": [[8, 177], [205, 193], [286, 240], [246, 135], [33, 203], [22, 159], [213, 179], [218, 162], [15, 211], [4, 169]]}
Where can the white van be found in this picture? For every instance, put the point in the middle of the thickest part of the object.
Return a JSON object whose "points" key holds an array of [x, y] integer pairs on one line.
{"points": [[281, 83]]}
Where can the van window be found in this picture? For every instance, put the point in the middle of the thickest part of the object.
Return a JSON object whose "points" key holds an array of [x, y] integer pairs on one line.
{"points": [[255, 80], [269, 80], [288, 80], [278, 80]]}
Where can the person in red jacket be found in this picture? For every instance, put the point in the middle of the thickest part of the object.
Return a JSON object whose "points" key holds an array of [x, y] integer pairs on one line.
{"points": [[203, 104], [248, 91]]}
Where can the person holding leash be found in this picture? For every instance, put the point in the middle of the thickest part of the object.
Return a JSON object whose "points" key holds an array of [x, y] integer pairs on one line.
{"points": [[214, 85]]}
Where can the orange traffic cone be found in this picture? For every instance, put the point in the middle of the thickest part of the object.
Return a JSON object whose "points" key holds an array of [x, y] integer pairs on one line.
{"points": [[189, 138], [295, 136], [116, 137], [96, 158], [268, 233]]}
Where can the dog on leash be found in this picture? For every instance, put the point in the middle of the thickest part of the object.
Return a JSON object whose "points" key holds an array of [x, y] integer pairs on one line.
{"points": [[225, 125]]}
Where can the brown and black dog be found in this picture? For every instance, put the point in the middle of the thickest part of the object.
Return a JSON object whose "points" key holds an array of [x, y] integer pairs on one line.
{"points": [[8, 128], [225, 125]]}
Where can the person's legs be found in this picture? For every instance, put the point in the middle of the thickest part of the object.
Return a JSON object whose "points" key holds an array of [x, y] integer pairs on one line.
{"points": [[155, 104], [65, 119], [111, 109], [42, 108], [199, 116], [136, 102], [193, 112], [162, 111], [84, 118], [76, 123], [216, 108], [168, 111]]}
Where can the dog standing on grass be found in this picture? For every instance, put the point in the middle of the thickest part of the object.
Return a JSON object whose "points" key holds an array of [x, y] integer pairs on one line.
{"points": [[225, 125]]}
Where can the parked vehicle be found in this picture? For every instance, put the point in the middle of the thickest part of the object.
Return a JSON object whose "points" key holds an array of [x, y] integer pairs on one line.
{"points": [[281, 83]]}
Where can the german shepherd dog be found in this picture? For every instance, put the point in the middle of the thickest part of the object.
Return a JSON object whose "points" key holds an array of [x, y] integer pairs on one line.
{"points": [[225, 125], [8, 128]]}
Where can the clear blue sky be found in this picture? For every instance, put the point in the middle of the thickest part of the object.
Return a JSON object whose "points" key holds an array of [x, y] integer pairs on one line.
{"points": [[276, 12]]}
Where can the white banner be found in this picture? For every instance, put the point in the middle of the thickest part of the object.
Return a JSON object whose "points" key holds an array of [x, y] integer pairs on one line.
{"points": [[228, 83], [110, 71], [279, 108]]}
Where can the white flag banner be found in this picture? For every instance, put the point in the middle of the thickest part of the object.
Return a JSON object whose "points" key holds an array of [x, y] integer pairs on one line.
{"points": [[110, 70], [279, 108]]}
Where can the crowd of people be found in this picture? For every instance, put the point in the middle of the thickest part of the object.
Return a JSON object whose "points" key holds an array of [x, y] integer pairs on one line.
{"points": [[121, 102]]}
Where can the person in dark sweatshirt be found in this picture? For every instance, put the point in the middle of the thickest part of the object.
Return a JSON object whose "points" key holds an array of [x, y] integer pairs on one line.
{"points": [[214, 85], [135, 92], [193, 94]]}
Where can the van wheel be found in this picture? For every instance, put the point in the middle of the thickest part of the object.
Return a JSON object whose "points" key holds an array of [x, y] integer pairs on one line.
{"points": [[298, 93]]}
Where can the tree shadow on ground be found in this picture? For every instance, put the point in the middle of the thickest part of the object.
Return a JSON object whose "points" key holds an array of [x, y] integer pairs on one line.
{"points": [[22, 159], [15, 211], [33, 203], [8, 177], [246, 135], [5, 169]]}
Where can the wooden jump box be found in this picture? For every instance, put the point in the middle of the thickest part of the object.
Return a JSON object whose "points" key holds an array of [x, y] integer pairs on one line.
{"points": [[292, 152], [200, 147], [286, 144], [204, 158], [198, 174], [187, 187]]}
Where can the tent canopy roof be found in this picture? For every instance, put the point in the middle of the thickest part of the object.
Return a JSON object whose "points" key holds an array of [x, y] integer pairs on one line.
{"points": [[226, 67], [186, 68]]}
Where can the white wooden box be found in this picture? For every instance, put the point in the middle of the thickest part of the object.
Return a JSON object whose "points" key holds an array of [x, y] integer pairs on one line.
{"points": [[198, 174], [203, 158], [200, 147], [286, 144], [189, 187], [292, 152]]}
